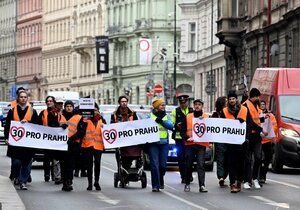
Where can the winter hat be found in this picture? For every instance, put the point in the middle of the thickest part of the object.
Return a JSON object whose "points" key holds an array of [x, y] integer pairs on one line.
{"points": [[157, 102], [231, 93], [198, 101], [254, 92], [69, 102]]}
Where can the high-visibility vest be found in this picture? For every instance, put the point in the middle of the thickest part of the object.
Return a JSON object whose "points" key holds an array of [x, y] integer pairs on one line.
{"points": [[163, 132], [189, 129], [27, 116], [254, 112], [72, 126], [275, 127], [89, 137], [179, 115], [13, 103], [242, 113], [98, 141], [61, 118]]}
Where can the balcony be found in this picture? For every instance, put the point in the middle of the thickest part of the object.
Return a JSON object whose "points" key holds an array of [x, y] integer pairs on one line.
{"points": [[230, 30], [83, 42]]}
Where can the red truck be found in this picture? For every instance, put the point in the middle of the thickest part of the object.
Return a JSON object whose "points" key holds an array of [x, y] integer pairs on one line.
{"points": [[280, 88]]}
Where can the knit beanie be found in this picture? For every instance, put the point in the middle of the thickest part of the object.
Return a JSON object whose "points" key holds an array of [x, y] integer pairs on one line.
{"points": [[69, 102], [231, 93], [157, 102]]}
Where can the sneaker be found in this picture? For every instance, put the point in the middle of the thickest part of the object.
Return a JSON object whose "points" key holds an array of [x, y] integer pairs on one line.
{"points": [[203, 189], [16, 181], [47, 178], [246, 186], [187, 188], [256, 184], [233, 188], [23, 187], [162, 187], [222, 182], [97, 186], [155, 189], [89, 188]]}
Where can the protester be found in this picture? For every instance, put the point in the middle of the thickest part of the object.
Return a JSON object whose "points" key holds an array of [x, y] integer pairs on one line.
{"points": [[124, 114], [221, 148], [254, 130], [235, 110], [51, 117], [21, 156], [267, 144], [158, 151], [178, 117], [193, 149]]}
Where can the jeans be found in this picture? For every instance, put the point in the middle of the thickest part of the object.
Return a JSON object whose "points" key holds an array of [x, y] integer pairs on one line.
{"points": [[190, 152], [25, 170], [158, 155], [15, 167]]}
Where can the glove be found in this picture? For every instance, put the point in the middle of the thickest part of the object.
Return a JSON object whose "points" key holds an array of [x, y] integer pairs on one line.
{"points": [[241, 120], [64, 126], [158, 120]]}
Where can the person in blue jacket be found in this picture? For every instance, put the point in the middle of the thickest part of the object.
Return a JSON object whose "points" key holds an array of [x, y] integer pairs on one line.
{"points": [[158, 151]]}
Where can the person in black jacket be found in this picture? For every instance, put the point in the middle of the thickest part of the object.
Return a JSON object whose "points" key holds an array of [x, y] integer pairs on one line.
{"points": [[21, 156]]}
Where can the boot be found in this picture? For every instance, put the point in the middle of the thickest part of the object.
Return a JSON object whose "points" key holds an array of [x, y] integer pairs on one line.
{"points": [[97, 186]]}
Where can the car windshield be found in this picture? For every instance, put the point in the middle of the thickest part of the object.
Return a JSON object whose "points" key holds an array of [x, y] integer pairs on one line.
{"points": [[289, 108]]}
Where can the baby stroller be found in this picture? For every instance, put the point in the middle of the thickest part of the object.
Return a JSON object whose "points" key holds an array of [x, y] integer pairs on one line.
{"points": [[126, 173]]}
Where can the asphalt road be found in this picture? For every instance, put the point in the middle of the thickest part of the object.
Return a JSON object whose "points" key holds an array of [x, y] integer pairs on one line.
{"points": [[280, 192]]}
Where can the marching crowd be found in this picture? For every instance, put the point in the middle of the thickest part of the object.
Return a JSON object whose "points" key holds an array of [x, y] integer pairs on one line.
{"points": [[242, 163]]}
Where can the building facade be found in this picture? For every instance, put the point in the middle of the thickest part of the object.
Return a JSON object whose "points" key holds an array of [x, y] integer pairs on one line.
{"points": [[128, 22], [200, 52], [258, 33], [29, 46], [88, 21], [56, 48], [7, 49]]}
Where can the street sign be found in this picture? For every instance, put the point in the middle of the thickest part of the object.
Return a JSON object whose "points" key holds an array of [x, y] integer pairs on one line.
{"points": [[158, 88]]}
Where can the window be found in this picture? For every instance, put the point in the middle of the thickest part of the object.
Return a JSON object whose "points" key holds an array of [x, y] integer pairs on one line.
{"points": [[192, 36], [295, 48], [254, 59], [234, 8]]}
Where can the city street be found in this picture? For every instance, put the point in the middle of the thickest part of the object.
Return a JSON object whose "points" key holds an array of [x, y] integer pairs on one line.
{"points": [[280, 192]]}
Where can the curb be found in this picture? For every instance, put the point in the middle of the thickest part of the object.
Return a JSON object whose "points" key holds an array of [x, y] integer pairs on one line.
{"points": [[9, 198]]}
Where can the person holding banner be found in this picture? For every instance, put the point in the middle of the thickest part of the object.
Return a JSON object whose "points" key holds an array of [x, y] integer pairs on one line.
{"points": [[124, 114], [193, 149], [51, 117], [267, 143], [235, 110], [254, 130], [178, 117], [221, 148], [22, 157], [158, 151]]}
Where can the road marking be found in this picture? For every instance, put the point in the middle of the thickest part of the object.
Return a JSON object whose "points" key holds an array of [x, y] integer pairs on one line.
{"points": [[284, 183], [272, 203], [105, 199], [170, 194]]}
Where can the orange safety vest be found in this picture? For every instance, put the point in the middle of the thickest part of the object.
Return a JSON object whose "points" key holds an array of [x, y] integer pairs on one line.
{"points": [[27, 116], [254, 112], [98, 141], [189, 122], [89, 137], [242, 113], [72, 126], [275, 127], [61, 118], [13, 103]]}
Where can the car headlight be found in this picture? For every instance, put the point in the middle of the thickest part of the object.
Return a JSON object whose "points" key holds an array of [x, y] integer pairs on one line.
{"points": [[289, 133]]}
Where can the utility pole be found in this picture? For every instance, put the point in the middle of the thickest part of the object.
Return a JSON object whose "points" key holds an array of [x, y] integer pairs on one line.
{"points": [[175, 54]]}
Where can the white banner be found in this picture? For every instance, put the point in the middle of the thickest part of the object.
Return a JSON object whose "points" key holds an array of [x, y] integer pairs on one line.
{"points": [[268, 127], [130, 133], [145, 51], [219, 130], [37, 136]]}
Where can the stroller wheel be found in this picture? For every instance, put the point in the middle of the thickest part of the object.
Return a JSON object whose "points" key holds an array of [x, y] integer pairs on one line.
{"points": [[116, 179], [144, 180]]}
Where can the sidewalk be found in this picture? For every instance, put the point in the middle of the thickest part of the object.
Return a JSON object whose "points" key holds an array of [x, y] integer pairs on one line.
{"points": [[9, 198]]}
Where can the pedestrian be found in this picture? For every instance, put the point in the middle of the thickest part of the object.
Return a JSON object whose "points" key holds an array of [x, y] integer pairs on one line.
{"points": [[21, 156], [178, 117], [221, 148], [236, 158], [51, 117], [253, 146], [195, 149], [267, 144], [123, 114], [158, 151]]}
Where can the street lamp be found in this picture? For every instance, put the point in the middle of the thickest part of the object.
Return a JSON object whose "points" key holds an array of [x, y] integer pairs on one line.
{"points": [[175, 58]]}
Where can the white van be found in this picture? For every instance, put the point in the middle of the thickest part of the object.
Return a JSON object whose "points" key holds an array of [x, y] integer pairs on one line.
{"points": [[66, 95]]}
